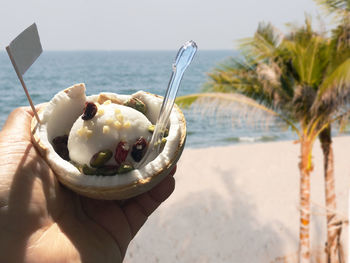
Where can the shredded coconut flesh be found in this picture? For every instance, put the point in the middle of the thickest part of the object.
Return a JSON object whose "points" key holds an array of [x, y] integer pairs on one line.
{"points": [[112, 123]]}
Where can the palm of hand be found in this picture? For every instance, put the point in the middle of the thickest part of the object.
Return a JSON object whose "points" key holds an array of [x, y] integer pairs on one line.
{"points": [[41, 221]]}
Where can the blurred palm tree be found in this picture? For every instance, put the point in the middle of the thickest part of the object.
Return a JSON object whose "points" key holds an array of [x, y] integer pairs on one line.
{"points": [[340, 41], [299, 78]]}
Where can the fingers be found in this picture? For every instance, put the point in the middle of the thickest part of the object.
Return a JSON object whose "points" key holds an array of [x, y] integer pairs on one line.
{"points": [[162, 191], [158, 194], [110, 217], [19, 120], [124, 221], [149, 201], [139, 208], [17, 116], [18, 124]]}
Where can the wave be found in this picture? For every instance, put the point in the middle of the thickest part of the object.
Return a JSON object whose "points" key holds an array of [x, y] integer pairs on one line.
{"points": [[247, 139]]}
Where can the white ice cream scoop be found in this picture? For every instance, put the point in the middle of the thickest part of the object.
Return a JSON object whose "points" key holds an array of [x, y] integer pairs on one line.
{"points": [[112, 124]]}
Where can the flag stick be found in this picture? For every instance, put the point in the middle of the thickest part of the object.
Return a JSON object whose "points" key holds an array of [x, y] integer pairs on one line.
{"points": [[23, 84]]}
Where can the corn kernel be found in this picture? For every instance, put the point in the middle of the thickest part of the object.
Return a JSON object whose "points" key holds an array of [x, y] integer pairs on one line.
{"points": [[107, 102], [117, 111]]}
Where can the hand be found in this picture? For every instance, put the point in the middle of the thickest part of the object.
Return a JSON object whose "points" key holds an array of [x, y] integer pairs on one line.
{"points": [[42, 221]]}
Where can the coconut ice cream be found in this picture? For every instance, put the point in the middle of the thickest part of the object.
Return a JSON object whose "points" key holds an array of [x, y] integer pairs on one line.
{"points": [[113, 126], [93, 143]]}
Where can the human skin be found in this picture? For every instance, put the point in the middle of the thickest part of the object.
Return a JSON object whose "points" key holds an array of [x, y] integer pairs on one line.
{"points": [[42, 221]]}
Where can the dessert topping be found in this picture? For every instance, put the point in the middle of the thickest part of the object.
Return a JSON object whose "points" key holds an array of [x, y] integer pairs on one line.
{"points": [[60, 146], [100, 112], [117, 124], [88, 170], [127, 124], [107, 170], [163, 142], [109, 121], [84, 131], [103, 97], [120, 118], [124, 168], [137, 104], [105, 129], [90, 111], [100, 158], [152, 127], [121, 152], [139, 149]]}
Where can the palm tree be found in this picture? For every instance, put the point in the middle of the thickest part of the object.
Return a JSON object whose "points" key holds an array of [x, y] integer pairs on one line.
{"points": [[333, 96], [341, 51], [293, 77]]}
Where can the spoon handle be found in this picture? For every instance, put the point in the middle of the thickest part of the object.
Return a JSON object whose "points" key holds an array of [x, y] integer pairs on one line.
{"points": [[182, 60]]}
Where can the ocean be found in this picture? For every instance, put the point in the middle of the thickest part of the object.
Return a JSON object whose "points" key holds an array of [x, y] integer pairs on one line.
{"points": [[126, 72]]}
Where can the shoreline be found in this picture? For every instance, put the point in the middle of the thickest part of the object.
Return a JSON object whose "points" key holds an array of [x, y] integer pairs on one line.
{"points": [[240, 203], [237, 141]]}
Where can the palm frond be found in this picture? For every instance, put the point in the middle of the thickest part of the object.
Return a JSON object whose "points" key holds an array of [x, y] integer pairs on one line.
{"points": [[304, 97], [263, 45], [334, 6], [261, 82], [188, 100], [236, 99], [341, 38], [301, 34], [299, 78], [337, 85], [342, 119], [309, 59]]}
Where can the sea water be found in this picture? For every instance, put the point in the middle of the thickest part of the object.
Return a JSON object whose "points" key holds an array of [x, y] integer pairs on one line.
{"points": [[126, 72]]}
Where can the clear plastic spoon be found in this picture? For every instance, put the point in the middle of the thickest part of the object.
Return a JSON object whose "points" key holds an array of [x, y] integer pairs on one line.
{"points": [[182, 60]]}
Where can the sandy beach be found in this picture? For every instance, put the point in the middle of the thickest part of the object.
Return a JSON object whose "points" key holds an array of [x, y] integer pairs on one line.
{"points": [[240, 204]]}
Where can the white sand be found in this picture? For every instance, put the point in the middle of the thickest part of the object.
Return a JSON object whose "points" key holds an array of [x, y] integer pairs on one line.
{"points": [[240, 204]]}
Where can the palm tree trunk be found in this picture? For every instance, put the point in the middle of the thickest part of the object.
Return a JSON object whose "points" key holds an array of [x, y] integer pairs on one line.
{"points": [[305, 167], [334, 225]]}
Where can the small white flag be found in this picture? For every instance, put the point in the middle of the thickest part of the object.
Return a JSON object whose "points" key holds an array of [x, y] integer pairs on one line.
{"points": [[25, 49]]}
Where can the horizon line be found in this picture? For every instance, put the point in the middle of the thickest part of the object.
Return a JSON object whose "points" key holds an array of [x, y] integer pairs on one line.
{"points": [[128, 50]]}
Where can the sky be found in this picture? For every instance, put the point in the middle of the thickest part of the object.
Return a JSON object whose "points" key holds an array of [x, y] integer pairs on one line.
{"points": [[146, 24]]}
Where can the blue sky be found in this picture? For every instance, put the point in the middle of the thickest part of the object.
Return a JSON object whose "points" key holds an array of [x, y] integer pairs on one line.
{"points": [[145, 24]]}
